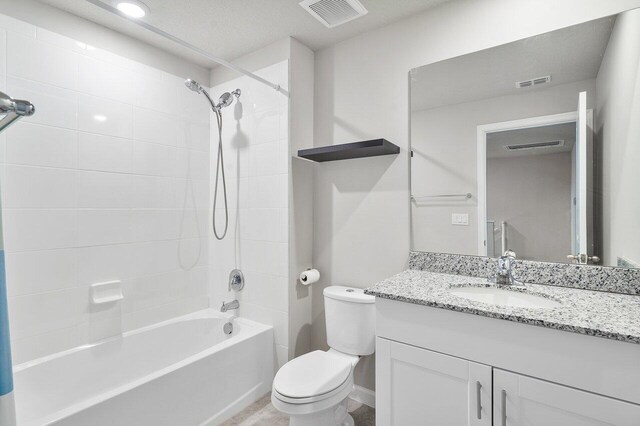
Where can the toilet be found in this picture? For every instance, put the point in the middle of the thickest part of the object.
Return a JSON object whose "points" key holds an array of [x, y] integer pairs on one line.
{"points": [[313, 388]]}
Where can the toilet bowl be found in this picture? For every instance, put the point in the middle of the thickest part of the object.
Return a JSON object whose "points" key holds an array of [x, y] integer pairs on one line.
{"points": [[312, 389]]}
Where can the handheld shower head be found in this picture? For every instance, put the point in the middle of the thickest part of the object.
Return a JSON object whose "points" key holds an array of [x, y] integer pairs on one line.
{"points": [[193, 85]]}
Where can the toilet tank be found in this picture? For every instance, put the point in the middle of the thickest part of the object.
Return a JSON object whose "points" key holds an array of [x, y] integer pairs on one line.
{"points": [[350, 316]]}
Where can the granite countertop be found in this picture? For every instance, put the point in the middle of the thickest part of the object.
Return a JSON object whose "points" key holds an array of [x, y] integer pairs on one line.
{"points": [[594, 313]]}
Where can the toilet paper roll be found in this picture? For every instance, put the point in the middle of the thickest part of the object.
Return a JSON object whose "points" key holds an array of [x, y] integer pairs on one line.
{"points": [[309, 276]]}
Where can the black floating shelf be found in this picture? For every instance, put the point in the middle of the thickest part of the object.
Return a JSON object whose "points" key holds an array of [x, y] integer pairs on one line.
{"points": [[345, 151]]}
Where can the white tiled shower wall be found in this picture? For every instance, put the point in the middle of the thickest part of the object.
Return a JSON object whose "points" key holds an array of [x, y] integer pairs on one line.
{"points": [[109, 180], [256, 154]]}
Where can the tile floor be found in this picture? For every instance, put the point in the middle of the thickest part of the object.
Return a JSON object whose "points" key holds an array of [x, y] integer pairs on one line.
{"points": [[262, 413]]}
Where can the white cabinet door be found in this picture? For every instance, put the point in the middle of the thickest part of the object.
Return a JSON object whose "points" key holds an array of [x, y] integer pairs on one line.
{"points": [[420, 387], [524, 401]]}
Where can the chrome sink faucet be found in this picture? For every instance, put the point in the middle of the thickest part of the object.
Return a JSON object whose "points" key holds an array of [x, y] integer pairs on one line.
{"points": [[234, 304], [504, 274]]}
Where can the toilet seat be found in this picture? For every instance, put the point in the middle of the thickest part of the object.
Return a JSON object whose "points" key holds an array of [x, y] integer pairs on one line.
{"points": [[312, 377]]}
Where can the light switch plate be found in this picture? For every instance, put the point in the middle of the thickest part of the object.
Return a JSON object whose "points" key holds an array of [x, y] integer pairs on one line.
{"points": [[460, 219]]}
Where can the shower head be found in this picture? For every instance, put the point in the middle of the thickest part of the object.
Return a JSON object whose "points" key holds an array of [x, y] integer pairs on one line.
{"points": [[225, 100], [193, 85]]}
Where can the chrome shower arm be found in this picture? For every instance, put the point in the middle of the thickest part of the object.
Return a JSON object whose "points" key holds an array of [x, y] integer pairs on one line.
{"points": [[14, 110]]}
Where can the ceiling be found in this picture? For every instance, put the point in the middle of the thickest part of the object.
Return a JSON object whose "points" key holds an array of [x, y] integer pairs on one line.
{"points": [[496, 141], [568, 55], [231, 28]]}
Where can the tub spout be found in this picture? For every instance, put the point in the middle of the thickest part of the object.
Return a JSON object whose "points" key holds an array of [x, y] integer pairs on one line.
{"points": [[231, 305]]}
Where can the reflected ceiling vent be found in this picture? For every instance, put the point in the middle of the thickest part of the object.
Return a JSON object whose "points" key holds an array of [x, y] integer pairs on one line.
{"points": [[534, 145], [334, 12], [533, 82]]}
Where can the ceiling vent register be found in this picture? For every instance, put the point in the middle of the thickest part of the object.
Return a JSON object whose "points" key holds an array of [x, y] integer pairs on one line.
{"points": [[533, 82], [334, 12], [535, 145]]}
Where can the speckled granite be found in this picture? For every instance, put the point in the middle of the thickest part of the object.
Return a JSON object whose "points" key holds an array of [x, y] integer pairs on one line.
{"points": [[609, 315], [609, 279]]}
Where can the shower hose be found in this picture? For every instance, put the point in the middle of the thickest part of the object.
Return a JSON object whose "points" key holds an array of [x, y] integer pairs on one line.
{"points": [[220, 171]]}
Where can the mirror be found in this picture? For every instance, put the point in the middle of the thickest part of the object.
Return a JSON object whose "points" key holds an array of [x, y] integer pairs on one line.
{"points": [[532, 146]]}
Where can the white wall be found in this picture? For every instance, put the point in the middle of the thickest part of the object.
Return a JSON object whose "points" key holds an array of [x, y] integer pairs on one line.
{"points": [[107, 181], [362, 206], [444, 141], [256, 154], [618, 132]]}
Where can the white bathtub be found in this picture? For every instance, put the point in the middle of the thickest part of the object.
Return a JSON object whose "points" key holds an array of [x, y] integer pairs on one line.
{"points": [[181, 372]]}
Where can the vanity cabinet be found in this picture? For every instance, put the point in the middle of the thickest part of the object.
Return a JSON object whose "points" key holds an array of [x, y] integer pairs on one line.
{"points": [[437, 367], [521, 400], [418, 387]]}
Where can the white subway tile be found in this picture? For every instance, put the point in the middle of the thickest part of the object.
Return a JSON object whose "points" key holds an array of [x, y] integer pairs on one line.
{"points": [[193, 135], [266, 126], [39, 229], [54, 106], [104, 263], [104, 153], [39, 187], [100, 190], [151, 192], [31, 59], [261, 225], [105, 117], [153, 159], [33, 347], [41, 313], [158, 90], [152, 225], [150, 291], [264, 159], [58, 40], [40, 271], [17, 26], [100, 227], [155, 127], [268, 191], [3, 52], [152, 258], [107, 80], [36, 145]]}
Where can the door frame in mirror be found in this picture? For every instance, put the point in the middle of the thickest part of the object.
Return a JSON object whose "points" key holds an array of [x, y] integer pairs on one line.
{"points": [[482, 131]]}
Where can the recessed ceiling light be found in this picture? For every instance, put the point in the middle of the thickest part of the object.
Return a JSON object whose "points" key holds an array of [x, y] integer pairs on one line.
{"points": [[132, 8]]}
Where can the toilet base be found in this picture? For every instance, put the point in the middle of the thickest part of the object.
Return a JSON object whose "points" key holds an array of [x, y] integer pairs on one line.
{"points": [[333, 416]]}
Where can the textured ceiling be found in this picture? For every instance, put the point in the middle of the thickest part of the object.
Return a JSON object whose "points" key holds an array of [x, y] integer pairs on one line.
{"points": [[232, 28], [570, 54]]}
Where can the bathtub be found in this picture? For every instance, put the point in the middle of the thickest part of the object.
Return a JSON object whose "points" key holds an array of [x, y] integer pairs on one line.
{"points": [[181, 372]]}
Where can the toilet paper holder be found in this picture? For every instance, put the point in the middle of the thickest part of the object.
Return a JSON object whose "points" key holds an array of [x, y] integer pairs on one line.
{"points": [[309, 276]]}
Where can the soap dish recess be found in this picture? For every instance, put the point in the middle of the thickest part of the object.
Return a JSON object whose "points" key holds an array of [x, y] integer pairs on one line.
{"points": [[106, 292]]}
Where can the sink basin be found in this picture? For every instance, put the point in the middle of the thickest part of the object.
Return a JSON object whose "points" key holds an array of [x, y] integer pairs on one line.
{"points": [[501, 297]]}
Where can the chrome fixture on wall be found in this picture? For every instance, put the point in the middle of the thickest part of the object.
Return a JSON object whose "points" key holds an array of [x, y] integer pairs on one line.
{"points": [[225, 100], [14, 109]]}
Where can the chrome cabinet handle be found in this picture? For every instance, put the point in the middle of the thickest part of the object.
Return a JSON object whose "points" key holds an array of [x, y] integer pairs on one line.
{"points": [[479, 400], [503, 403]]}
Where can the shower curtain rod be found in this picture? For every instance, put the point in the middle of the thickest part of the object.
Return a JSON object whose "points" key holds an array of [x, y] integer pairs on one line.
{"points": [[190, 46]]}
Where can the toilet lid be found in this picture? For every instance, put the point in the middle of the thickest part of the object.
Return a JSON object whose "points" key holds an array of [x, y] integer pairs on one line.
{"points": [[312, 374]]}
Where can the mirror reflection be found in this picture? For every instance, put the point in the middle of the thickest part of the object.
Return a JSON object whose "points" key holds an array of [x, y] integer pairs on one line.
{"points": [[533, 147]]}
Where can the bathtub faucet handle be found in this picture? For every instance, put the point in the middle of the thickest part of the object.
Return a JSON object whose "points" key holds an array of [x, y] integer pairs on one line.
{"points": [[236, 280]]}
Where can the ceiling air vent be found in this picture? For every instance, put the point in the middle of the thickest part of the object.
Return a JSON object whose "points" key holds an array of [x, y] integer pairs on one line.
{"points": [[334, 12], [535, 145], [533, 82]]}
